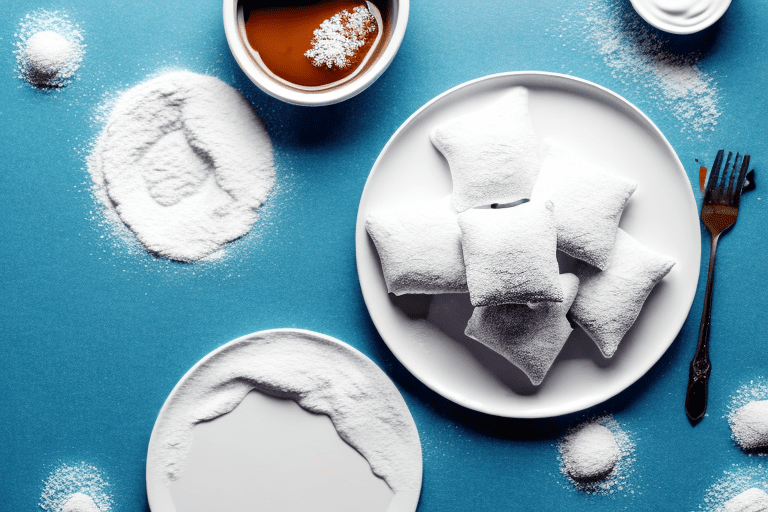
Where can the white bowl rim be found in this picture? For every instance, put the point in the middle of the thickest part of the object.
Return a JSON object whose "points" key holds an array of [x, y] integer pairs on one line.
{"points": [[296, 97]]}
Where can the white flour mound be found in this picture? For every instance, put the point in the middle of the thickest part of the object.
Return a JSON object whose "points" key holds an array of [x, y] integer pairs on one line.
{"points": [[76, 488], [49, 49], [597, 456], [185, 162], [321, 375], [79, 502]]}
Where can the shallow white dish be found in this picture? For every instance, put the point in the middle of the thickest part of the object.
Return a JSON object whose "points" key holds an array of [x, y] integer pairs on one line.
{"points": [[266, 452], [681, 16], [662, 214]]}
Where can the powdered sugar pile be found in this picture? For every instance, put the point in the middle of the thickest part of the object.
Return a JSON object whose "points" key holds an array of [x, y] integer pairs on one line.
{"points": [[49, 49], [596, 456], [748, 417], [339, 38], [641, 58], [184, 162], [76, 488], [732, 484]]}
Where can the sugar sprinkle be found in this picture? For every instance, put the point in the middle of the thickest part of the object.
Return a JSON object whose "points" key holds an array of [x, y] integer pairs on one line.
{"points": [[746, 411], [339, 38], [641, 58], [76, 488], [733, 482]]}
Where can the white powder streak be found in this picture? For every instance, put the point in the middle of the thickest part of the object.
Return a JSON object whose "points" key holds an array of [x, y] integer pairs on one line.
{"points": [[70, 486], [321, 375], [640, 57], [184, 162]]}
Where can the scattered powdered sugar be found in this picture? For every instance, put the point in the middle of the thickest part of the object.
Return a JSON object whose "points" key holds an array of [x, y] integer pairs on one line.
{"points": [[596, 456], [184, 162], [733, 484], [76, 488], [641, 57], [337, 40], [751, 500], [49, 49], [320, 374], [748, 417]]}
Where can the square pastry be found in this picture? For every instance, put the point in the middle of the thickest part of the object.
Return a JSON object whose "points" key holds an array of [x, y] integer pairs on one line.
{"points": [[528, 336], [420, 248], [588, 202], [492, 153], [609, 301], [511, 254]]}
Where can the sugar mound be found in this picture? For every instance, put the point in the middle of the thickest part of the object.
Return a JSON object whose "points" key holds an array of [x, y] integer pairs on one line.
{"points": [[49, 49], [184, 162], [751, 500], [79, 502], [596, 456], [76, 488], [749, 425], [590, 452]]}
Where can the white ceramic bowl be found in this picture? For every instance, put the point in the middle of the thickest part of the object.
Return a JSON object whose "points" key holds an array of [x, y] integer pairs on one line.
{"points": [[250, 62], [681, 16]]}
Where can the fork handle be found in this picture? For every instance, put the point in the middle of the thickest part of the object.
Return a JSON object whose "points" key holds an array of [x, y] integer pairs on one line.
{"points": [[701, 367]]}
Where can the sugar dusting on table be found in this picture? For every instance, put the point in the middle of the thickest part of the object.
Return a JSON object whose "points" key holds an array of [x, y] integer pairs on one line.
{"points": [[597, 456], [733, 483], [76, 488], [49, 49], [641, 58]]}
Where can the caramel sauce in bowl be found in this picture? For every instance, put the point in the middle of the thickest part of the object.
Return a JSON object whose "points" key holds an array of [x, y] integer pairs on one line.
{"points": [[271, 41]]}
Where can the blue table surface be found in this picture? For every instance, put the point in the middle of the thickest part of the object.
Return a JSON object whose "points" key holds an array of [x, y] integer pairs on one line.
{"points": [[94, 335]]}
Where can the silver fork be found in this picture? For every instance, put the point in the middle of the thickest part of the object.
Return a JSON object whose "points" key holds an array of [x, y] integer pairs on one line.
{"points": [[719, 210]]}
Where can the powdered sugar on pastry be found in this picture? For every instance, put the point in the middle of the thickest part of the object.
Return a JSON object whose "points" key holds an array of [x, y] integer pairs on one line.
{"points": [[420, 248], [609, 301], [588, 202], [492, 154], [529, 336], [510, 254]]}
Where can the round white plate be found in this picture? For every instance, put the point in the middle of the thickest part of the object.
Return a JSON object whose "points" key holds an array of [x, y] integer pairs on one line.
{"points": [[227, 437], [609, 131], [681, 16]]}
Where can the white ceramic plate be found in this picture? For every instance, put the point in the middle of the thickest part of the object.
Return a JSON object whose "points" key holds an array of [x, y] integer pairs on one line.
{"points": [[267, 453], [662, 214]]}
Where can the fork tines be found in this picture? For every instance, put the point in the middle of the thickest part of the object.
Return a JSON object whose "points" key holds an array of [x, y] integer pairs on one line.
{"points": [[716, 191]]}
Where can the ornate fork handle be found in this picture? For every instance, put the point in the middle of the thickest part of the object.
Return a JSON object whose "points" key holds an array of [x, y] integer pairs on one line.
{"points": [[701, 367]]}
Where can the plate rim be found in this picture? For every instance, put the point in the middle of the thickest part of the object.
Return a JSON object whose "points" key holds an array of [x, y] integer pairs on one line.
{"points": [[361, 238]]}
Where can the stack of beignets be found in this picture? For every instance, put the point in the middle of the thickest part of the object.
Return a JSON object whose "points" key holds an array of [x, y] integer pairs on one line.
{"points": [[506, 257]]}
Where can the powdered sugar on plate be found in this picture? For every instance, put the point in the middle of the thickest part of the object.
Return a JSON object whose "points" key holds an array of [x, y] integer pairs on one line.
{"points": [[641, 58], [49, 49], [76, 488], [602, 445]]}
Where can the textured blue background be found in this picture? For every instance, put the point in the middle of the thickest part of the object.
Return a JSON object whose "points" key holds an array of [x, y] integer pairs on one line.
{"points": [[94, 335]]}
